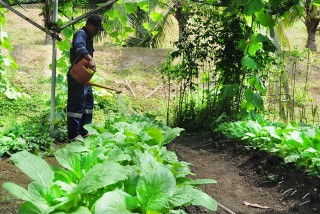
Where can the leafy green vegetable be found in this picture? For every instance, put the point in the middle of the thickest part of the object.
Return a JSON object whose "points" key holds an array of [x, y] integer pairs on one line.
{"points": [[123, 168], [33, 166], [155, 187]]}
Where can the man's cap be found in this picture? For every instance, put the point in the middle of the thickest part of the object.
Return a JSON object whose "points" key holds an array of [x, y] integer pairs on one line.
{"points": [[96, 21]]}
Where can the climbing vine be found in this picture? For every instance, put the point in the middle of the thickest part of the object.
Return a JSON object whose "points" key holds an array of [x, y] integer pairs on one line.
{"points": [[220, 64], [6, 61]]}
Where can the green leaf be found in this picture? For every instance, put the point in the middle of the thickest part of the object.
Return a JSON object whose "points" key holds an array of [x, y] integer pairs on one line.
{"points": [[265, 19], [35, 167], [200, 182], [155, 187], [291, 158], [37, 192], [90, 159], [13, 64], [144, 5], [102, 175], [177, 212], [147, 26], [113, 202], [17, 191], [67, 32], [182, 196], [6, 44], [250, 63], [248, 94], [131, 184], [30, 208], [69, 160], [253, 6], [64, 175], [293, 137], [186, 195], [154, 33], [155, 135], [230, 90], [243, 44], [12, 94], [156, 16], [117, 155], [78, 147], [64, 45], [254, 98], [256, 43], [81, 210], [259, 85], [258, 101], [180, 169], [203, 199], [128, 29], [168, 156], [132, 203], [94, 128], [130, 8], [112, 14], [310, 153], [170, 134], [272, 131]]}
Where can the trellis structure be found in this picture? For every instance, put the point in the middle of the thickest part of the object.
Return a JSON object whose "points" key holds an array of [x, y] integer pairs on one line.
{"points": [[54, 33]]}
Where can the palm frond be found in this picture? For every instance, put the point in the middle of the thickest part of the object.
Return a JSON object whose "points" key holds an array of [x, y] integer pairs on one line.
{"points": [[293, 15], [145, 38], [282, 36]]}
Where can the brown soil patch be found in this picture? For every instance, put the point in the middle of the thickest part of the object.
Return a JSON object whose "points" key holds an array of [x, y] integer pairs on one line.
{"points": [[246, 175], [10, 173]]}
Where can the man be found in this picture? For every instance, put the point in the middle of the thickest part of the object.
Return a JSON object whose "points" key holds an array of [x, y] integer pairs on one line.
{"points": [[80, 97]]}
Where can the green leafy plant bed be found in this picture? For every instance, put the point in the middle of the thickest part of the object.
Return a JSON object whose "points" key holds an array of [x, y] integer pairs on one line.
{"points": [[123, 167], [294, 143]]}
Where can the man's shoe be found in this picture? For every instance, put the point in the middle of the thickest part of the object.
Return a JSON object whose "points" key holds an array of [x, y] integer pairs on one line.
{"points": [[79, 137], [86, 135]]}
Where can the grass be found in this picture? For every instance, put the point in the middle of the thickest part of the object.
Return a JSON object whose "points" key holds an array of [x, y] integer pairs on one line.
{"points": [[22, 110]]}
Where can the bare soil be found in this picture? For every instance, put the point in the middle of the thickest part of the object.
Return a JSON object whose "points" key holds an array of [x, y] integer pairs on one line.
{"points": [[246, 175], [242, 175]]}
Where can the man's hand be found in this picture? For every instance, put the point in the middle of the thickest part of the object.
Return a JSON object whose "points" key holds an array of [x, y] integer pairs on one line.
{"points": [[92, 65]]}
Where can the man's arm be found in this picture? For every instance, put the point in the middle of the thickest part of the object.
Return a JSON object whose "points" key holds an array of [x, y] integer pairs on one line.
{"points": [[92, 64], [79, 43]]}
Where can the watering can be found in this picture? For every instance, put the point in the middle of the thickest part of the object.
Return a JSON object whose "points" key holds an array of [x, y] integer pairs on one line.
{"points": [[82, 74]]}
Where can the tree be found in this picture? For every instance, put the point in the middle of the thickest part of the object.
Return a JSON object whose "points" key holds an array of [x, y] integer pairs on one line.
{"points": [[153, 36], [311, 20], [308, 12]]}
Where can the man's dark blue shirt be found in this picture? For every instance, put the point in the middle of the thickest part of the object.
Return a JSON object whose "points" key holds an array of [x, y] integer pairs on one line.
{"points": [[82, 44]]}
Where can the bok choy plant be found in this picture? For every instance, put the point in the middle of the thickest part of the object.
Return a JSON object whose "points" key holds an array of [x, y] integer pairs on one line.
{"points": [[123, 167]]}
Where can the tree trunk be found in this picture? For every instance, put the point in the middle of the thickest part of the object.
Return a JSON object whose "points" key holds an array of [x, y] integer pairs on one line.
{"points": [[180, 17], [311, 43], [46, 12], [312, 21]]}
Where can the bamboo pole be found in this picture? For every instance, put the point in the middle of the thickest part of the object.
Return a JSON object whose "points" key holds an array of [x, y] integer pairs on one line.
{"points": [[54, 71]]}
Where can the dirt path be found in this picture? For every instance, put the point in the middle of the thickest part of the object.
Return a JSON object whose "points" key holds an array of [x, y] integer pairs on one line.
{"points": [[245, 175]]}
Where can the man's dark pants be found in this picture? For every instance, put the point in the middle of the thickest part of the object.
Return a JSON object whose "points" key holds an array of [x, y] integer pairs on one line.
{"points": [[79, 107]]}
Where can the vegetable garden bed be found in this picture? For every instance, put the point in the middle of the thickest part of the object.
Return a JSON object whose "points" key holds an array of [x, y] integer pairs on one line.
{"points": [[242, 175], [122, 168]]}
